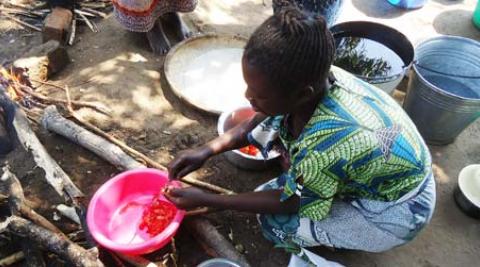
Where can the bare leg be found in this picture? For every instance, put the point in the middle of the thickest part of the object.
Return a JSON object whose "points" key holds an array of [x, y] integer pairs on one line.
{"points": [[157, 39], [178, 26]]}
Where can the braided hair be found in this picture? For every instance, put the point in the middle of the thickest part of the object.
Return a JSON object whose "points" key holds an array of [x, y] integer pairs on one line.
{"points": [[293, 49]]}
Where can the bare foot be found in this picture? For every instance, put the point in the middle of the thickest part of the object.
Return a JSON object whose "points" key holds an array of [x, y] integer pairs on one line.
{"points": [[157, 39], [179, 28]]}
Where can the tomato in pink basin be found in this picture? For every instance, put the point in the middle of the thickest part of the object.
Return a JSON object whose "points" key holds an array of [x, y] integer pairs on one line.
{"points": [[115, 212]]}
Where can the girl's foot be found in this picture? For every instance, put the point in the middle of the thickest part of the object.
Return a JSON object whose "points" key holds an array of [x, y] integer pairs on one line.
{"points": [[178, 27], [158, 40]]}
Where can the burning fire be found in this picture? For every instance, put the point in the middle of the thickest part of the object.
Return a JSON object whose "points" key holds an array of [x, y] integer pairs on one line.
{"points": [[9, 79]]}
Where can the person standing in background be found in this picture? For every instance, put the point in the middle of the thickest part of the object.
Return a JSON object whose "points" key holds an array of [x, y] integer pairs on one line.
{"points": [[148, 16], [329, 9], [152, 16]]}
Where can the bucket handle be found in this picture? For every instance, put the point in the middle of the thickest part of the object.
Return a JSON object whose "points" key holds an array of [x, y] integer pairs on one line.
{"points": [[415, 62]]}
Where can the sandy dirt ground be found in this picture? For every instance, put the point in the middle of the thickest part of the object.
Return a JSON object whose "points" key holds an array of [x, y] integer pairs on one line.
{"points": [[116, 68]]}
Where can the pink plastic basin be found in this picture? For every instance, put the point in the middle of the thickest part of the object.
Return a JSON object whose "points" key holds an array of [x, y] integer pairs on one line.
{"points": [[116, 209]]}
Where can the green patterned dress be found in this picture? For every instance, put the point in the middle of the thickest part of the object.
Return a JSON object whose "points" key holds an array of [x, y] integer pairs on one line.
{"points": [[359, 167]]}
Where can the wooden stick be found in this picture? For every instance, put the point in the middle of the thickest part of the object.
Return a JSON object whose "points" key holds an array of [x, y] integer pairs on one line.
{"points": [[89, 24], [48, 83], [93, 5], [50, 100], [199, 211], [15, 11], [52, 242], [22, 6], [214, 188], [17, 202], [58, 86], [87, 14], [54, 174], [12, 259], [53, 121], [96, 12], [73, 32], [76, 236], [69, 212], [206, 232], [23, 23]]}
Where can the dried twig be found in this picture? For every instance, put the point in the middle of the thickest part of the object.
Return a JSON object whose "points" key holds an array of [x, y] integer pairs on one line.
{"points": [[96, 12], [59, 86], [174, 254], [17, 202], [50, 100], [209, 237], [77, 235], [73, 32], [199, 211], [48, 83], [112, 139], [21, 22], [87, 21], [15, 11], [54, 174], [87, 14], [215, 188], [95, 5], [19, 5], [52, 120], [57, 244]]}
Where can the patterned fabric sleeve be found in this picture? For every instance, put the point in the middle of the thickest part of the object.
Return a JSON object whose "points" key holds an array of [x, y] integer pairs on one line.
{"points": [[318, 188], [314, 187], [305, 178]]}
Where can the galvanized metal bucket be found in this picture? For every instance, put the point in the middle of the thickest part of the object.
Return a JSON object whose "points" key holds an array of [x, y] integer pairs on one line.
{"points": [[443, 95]]}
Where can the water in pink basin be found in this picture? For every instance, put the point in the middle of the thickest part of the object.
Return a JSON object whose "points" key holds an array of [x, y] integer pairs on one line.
{"points": [[116, 210], [131, 211]]}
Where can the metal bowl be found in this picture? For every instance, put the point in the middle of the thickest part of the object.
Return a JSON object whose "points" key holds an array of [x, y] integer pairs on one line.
{"points": [[229, 120], [218, 262], [467, 192], [387, 36]]}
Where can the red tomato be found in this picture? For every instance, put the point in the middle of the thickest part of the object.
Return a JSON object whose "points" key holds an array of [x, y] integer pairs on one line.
{"points": [[250, 150], [157, 216]]}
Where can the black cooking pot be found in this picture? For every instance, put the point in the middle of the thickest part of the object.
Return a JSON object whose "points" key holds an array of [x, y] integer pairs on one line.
{"points": [[384, 35]]}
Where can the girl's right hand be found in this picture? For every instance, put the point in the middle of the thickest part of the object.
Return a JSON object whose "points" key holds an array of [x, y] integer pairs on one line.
{"points": [[188, 161]]}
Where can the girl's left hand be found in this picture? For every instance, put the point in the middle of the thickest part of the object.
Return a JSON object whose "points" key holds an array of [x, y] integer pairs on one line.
{"points": [[186, 198]]}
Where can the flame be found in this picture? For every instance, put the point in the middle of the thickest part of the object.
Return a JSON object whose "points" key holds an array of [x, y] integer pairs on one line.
{"points": [[9, 80]]}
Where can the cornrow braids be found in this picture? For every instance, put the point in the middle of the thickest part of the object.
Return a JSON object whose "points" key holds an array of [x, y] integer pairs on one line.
{"points": [[293, 49]]}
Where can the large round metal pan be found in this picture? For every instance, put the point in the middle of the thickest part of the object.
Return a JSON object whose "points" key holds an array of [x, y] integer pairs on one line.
{"points": [[206, 72]]}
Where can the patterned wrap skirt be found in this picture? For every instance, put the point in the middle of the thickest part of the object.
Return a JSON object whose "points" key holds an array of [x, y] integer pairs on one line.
{"points": [[141, 15], [359, 224]]}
